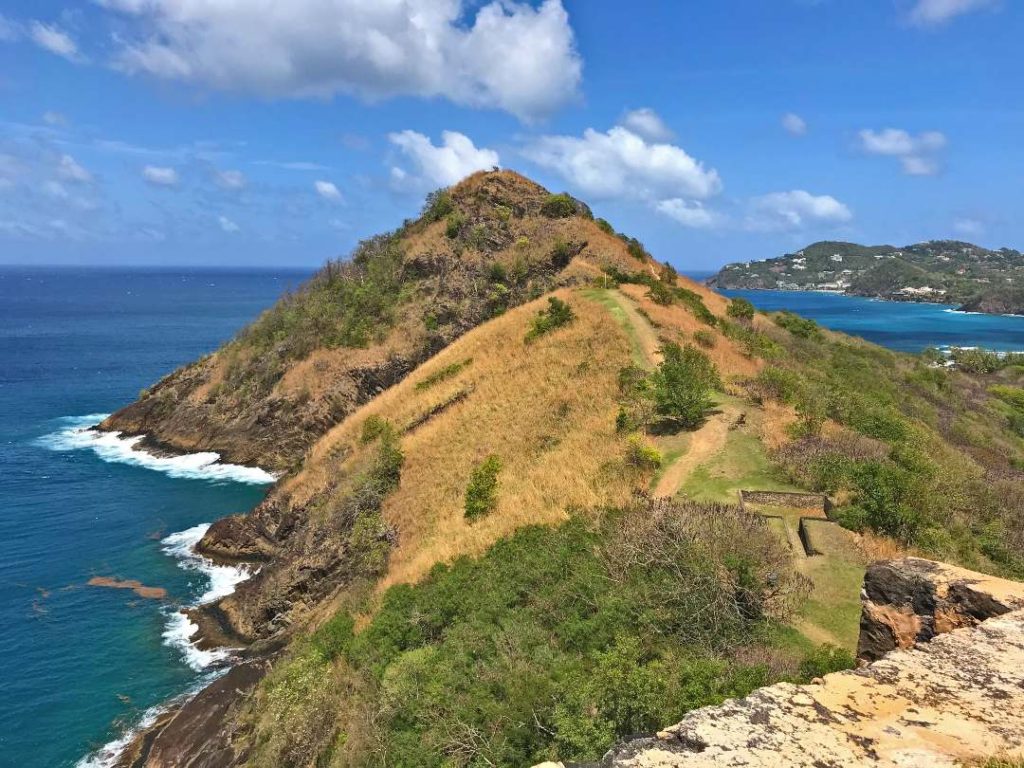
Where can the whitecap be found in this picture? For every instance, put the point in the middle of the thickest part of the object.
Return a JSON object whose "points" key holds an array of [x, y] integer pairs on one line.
{"points": [[78, 433], [222, 580]]}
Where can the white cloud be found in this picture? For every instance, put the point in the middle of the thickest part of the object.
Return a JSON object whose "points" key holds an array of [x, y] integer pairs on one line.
{"points": [[53, 39], [231, 179], [227, 224], [443, 165], [160, 177], [621, 163], [69, 170], [793, 124], [56, 190], [328, 191], [915, 152], [8, 30], [932, 12], [509, 55], [647, 123], [691, 214], [795, 210], [54, 118], [969, 227]]}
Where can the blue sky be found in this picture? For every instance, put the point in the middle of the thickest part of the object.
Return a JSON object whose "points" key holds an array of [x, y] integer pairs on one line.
{"points": [[255, 132]]}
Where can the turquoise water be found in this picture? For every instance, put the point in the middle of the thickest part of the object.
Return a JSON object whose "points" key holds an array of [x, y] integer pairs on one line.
{"points": [[898, 325], [79, 664]]}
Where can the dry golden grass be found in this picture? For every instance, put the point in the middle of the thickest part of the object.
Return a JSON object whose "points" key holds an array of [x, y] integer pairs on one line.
{"points": [[677, 323], [546, 408]]}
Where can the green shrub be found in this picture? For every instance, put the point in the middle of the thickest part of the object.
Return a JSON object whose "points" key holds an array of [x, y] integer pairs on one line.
{"points": [[681, 386], [438, 204], [522, 242], [560, 206], [704, 339], [779, 384], [741, 309], [798, 326], [504, 213], [557, 314], [826, 659], [373, 427], [561, 253], [456, 221], [477, 236], [334, 638], [482, 491], [604, 226], [641, 455], [450, 370]]}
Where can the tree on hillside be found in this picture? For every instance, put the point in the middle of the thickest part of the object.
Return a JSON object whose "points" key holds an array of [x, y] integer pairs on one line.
{"points": [[682, 385]]}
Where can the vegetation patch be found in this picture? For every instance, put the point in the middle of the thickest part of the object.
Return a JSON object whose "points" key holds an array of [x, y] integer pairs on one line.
{"points": [[482, 491], [557, 314], [560, 206], [443, 374]]}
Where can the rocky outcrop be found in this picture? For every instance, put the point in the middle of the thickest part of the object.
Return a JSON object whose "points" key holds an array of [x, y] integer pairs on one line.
{"points": [[910, 601], [951, 694]]}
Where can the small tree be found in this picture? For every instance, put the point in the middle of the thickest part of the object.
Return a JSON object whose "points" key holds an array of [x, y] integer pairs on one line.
{"points": [[682, 386], [741, 309]]}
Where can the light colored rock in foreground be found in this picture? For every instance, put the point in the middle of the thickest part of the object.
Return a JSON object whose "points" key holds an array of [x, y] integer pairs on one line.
{"points": [[955, 698]]}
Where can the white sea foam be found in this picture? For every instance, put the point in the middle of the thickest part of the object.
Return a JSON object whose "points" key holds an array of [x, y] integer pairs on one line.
{"points": [[222, 580], [77, 433]]}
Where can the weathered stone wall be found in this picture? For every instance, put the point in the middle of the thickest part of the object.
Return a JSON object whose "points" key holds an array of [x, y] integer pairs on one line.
{"points": [[954, 700], [784, 499]]}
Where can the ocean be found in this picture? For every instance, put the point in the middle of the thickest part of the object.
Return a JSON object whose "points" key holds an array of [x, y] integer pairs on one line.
{"points": [[80, 665]]}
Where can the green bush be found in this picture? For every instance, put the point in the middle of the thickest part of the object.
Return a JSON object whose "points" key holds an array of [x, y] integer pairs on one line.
{"points": [[561, 253], [681, 386], [373, 427], [826, 659], [482, 491], [704, 339], [774, 383], [438, 204], [456, 221], [560, 206], [641, 455], [798, 326], [334, 638], [741, 309], [557, 314], [604, 226]]}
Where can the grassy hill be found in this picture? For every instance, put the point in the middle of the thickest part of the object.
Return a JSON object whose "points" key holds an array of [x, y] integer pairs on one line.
{"points": [[493, 242], [468, 567], [946, 271]]}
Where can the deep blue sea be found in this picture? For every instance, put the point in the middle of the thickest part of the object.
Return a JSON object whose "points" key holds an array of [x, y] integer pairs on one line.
{"points": [[79, 665]]}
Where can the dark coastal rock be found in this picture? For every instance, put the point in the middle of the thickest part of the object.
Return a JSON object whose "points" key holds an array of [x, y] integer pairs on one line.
{"points": [[199, 733]]}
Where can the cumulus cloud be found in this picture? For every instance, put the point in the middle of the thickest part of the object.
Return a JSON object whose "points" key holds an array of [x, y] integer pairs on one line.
{"points": [[68, 169], [691, 214], [508, 55], [328, 191], [439, 165], [793, 124], [932, 12], [230, 179], [159, 176], [916, 152], [647, 123], [227, 225], [53, 39], [796, 209], [621, 163]]}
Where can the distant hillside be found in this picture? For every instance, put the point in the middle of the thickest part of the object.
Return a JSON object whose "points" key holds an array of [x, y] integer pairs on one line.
{"points": [[944, 271]]}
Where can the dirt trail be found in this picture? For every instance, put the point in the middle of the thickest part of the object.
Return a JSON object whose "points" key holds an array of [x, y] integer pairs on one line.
{"points": [[645, 334], [704, 443]]}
